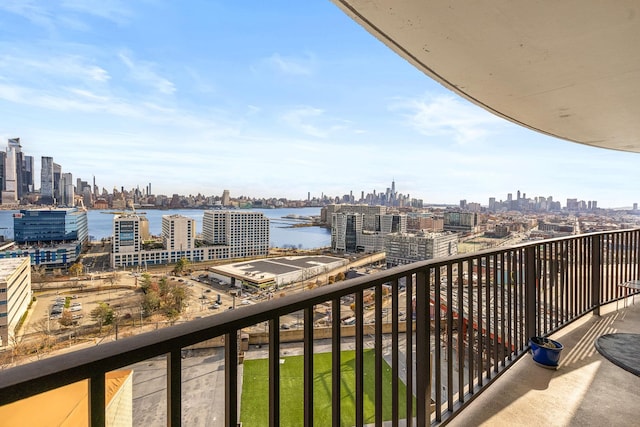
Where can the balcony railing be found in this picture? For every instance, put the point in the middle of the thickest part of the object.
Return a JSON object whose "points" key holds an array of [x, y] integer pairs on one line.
{"points": [[455, 325]]}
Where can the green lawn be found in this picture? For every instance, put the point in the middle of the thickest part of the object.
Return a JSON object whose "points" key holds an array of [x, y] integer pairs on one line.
{"points": [[255, 390]]}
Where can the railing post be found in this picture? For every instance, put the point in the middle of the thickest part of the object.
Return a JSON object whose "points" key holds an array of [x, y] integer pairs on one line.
{"points": [[596, 267], [97, 400], [530, 292], [231, 378], [174, 387]]}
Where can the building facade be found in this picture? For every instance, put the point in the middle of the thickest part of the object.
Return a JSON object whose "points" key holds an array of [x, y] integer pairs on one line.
{"points": [[10, 185], [178, 232], [50, 226], [245, 233], [49, 237], [15, 295], [465, 222], [348, 232], [404, 249]]}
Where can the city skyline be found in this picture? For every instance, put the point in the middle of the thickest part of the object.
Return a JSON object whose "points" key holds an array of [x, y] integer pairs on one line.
{"points": [[266, 100]]}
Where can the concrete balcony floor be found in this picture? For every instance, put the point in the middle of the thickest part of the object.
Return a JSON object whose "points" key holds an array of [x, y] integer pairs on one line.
{"points": [[585, 390]]}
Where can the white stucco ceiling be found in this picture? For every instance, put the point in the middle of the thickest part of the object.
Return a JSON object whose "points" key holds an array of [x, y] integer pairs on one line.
{"points": [[567, 68]]}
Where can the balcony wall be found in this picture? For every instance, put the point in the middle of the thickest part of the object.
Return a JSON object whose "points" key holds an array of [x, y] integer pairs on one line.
{"points": [[464, 321]]}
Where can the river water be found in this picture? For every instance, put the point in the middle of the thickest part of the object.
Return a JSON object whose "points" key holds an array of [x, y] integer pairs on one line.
{"points": [[281, 232]]}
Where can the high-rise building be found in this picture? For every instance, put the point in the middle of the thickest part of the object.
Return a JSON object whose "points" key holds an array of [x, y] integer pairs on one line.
{"points": [[178, 232], [345, 230], [46, 180], [3, 156], [27, 176], [126, 233], [15, 295], [68, 194], [10, 189], [57, 183], [245, 233], [226, 201]]}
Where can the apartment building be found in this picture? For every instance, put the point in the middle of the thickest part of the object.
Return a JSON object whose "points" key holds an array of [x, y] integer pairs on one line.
{"points": [[245, 233], [178, 232], [15, 295], [408, 248]]}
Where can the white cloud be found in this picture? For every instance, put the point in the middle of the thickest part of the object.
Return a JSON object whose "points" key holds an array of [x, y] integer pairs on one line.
{"points": [[32, 10], [51, 14], [289, 65], [143, 72], [311, 121], [63, 67], [447, 116], [111, 10]]}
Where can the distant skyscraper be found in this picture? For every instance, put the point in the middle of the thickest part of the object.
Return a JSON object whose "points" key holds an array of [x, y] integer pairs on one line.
{"points": [[46, 180], [3, 156], [57, 183], [68, 195], [14, 144], [27, 176], [226, 201], [10, 192]]}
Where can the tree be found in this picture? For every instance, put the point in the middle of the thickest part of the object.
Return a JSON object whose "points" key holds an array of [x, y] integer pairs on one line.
{"points": [[103, 314], [38, 274], [66, 319], [113, 278], [76, 269], [145, 282], [180, 266]]}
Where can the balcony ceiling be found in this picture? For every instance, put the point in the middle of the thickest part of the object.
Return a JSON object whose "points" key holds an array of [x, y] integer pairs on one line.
{"points": [[569, 69]]}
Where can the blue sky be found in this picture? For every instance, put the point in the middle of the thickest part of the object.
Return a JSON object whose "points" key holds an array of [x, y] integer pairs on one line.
{"points": [[266, 99]]}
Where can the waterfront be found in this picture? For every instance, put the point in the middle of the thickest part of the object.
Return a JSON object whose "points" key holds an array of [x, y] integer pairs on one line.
{"points": [[281, 233]]}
